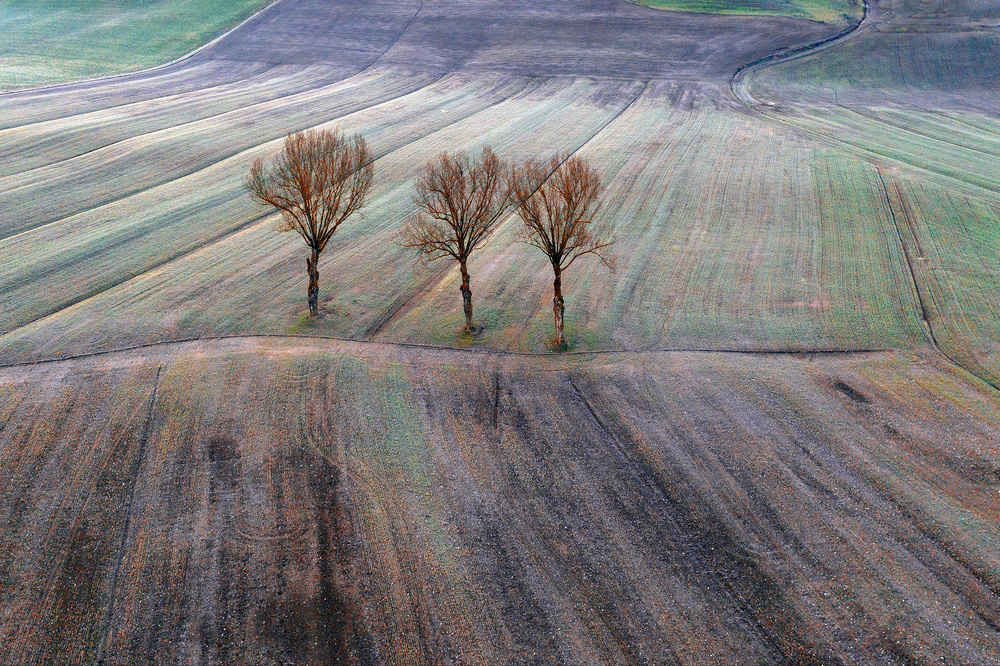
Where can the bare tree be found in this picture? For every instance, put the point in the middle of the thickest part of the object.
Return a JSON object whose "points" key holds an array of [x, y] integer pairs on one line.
{"points": [[557, 202], [460, 200], [318, 180]]}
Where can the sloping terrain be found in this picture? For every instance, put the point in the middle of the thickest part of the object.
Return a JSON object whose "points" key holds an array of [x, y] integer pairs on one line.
{"points": [[315, 502], [774, 440]]}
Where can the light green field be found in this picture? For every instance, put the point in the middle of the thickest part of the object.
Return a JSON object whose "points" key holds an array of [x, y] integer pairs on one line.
{"points": [[711, 255], [836, 12], [49, 41]]}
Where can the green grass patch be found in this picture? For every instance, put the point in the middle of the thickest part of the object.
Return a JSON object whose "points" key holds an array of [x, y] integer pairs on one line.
{"points": [[50, 41], [834, 12]]}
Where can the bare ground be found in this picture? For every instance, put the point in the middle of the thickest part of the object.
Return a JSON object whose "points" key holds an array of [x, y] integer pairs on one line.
{"points": [[295, 501], [329, 502]]}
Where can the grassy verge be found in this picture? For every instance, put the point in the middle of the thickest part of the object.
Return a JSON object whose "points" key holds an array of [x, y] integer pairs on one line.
{"points": [[835, 12]]}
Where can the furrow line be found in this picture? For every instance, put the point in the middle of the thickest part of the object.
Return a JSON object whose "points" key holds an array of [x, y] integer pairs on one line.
{"points": [[129, 509], [395, 39], [921, 297]]}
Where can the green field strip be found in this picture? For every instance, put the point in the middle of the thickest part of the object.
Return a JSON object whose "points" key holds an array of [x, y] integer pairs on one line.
{"points": [[47, 142], [55, 40], [982, 138], [836, 12], [986, 125], [951, 58], [955, 239], [941, 161]]}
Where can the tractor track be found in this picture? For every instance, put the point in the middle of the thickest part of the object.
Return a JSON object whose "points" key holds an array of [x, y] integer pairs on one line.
{"points": [[738, 85]]}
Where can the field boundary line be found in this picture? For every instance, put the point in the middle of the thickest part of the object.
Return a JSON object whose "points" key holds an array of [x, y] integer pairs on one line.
{"points": [[134, 474], [738, 82], [464, 350], [394, 40], [147, 70]]}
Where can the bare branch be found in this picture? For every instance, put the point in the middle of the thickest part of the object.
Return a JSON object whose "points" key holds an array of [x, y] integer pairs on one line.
{"points": [[460, 201], [557, 202], [318, 180]]}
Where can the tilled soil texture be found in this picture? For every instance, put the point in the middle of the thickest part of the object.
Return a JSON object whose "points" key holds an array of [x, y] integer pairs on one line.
{"points": [[572, 37], [306, 502]]}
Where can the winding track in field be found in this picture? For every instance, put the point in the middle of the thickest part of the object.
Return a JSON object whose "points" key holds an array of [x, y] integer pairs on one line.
{"points": [[738, 84]]}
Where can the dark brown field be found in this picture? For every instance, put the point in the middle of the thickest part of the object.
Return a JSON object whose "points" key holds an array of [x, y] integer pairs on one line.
{"points": [[305, 501], [776, 438]]}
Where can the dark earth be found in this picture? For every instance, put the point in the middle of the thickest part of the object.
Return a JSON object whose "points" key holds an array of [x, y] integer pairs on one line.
{"points": [[286, 500]]}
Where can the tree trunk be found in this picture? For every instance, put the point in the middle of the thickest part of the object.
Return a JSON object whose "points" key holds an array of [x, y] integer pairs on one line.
{"points": [[466, 298], [312, 264], [557, 306]]}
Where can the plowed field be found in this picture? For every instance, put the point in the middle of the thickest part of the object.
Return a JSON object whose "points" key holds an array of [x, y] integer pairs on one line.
{"points": [[775, 437]]}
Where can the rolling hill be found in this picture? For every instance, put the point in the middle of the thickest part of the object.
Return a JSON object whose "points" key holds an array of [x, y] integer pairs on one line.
{"points": [[776, 437]]}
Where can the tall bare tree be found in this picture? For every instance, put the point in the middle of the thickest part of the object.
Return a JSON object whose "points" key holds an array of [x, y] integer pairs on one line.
{"points": [[318, 180], [461, 199], [557, 202]]}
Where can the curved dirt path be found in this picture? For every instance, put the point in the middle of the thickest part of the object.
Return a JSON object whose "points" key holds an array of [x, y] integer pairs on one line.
{"points": [[739, 83]]}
